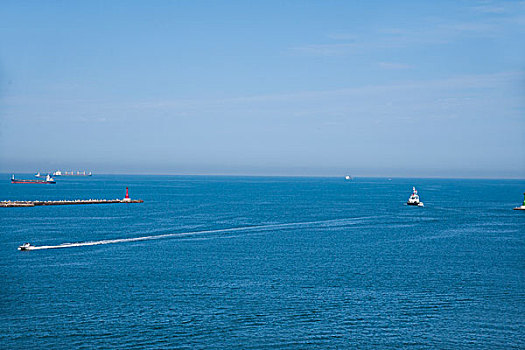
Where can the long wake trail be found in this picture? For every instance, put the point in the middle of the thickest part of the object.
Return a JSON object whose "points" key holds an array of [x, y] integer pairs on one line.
{"points": [[333, 222]]}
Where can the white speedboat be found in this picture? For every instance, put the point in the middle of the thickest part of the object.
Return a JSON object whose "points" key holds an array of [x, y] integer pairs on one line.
{"points": [[50, 180], [25, 246], [414, 199], [522, 207]]}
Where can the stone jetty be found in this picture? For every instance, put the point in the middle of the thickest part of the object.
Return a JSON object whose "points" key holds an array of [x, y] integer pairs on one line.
{"points": [[11, 204]]}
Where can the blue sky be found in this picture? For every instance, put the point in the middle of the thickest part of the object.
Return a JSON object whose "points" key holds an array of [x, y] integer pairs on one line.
{"points": [[368, 88]]}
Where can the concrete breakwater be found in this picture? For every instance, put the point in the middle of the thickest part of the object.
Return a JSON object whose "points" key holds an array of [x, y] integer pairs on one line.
{"points": [[11, 204]]}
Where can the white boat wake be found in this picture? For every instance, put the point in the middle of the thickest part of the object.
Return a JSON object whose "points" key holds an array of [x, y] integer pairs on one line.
{"points": [[325, 223]]}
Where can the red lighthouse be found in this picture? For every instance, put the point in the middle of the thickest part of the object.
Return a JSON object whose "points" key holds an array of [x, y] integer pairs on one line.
{"points": [[127, 199]]}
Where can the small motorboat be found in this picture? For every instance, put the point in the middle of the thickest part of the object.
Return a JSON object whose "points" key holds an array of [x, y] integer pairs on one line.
{"points": [[521, 207], [25, 246], [414, 199]]}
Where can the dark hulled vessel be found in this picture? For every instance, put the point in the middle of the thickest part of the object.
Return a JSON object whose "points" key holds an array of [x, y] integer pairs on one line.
{"points": [[48, 180]]}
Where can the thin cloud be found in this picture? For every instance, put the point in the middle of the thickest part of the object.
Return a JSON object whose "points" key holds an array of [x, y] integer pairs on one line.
{"points": [[498, 21], [394, 66], [323, 100], [498, 7], [324, 49], [490, 9], [476, 81], [343, 36]]}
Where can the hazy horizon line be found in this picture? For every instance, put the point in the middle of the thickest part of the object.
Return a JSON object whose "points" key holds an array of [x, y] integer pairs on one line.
{"points": [[292, 176]]}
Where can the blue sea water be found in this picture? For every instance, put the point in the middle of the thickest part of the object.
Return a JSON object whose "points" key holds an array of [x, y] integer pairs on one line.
{"points": [[315, 263]]}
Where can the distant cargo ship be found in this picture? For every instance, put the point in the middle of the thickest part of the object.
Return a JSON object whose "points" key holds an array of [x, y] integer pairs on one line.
{"points": [[41, 175], [48, 180], [71, 173]]}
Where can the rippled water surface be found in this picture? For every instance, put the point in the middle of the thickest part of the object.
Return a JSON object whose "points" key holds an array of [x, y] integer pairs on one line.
{"points": [[258, 262]]}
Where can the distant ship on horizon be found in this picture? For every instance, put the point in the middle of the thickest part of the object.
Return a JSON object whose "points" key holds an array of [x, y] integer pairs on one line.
{"points": [[71, 173]]}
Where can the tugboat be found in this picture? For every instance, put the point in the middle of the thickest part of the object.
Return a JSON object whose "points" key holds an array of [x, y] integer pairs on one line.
{"points": [[414, 199], [522, 207], [25, 246], [48, 180]]}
